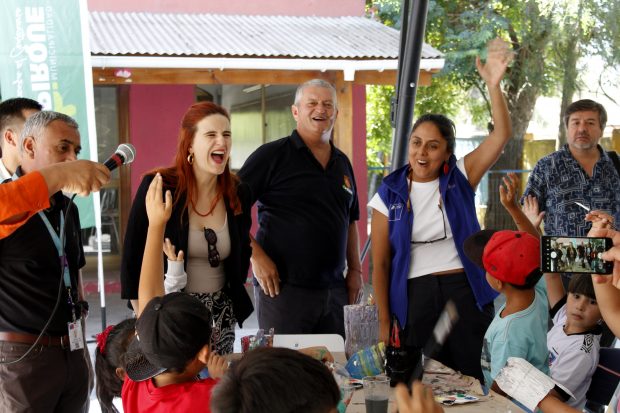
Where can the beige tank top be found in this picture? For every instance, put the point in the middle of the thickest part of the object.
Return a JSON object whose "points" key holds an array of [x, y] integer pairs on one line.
{"points": [[201, 276]]}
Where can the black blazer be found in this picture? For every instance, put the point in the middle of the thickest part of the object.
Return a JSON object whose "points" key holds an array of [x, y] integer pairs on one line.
{"points": [[177, 229]]}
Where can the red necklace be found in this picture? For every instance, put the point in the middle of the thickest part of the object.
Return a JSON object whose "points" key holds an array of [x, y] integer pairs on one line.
{"points": [[213, 205]]}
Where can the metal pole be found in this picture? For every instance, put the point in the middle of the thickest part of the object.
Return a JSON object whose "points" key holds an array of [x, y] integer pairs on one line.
{"points": [[412, 30], [404, 23], [103, 318], [408, 78]]}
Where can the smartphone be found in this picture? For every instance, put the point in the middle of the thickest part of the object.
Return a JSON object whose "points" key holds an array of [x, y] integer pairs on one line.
{"points": [[575, 255]]}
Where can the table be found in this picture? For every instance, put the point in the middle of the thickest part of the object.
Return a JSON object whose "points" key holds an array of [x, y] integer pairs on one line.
{"points": [[441, 379]]}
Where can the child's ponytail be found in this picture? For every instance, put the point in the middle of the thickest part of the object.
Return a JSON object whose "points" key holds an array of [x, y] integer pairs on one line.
{"points": [[112, 345]]}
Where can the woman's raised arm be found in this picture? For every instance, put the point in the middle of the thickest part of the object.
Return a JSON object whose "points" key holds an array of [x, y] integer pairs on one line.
{"points": [[478, 162]]}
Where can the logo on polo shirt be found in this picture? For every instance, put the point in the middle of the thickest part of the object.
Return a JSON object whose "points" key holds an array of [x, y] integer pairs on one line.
{"points": [[347, 185]]}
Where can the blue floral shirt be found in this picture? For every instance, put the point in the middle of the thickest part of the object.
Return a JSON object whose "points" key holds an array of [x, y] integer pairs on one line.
{"points": [[558, 180]]}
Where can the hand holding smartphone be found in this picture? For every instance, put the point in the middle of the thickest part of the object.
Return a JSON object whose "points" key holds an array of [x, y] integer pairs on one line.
{"points": [[574, 255]]}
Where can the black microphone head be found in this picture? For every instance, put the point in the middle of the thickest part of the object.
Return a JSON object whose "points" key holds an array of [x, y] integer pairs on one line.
{"points": [[127, 152]]}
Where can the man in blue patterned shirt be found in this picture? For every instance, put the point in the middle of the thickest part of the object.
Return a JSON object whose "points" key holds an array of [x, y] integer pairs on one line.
{"points": [[581, 171]]}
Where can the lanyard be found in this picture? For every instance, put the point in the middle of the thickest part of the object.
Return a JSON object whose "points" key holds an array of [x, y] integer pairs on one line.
{"points": [[61, 255], [63, 258]]}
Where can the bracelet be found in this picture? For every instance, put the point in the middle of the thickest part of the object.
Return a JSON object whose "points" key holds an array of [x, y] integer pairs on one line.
{"points": [[355, 269]]}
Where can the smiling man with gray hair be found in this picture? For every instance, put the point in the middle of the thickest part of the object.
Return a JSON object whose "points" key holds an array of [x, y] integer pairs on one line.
{"points": [[307, 213]]}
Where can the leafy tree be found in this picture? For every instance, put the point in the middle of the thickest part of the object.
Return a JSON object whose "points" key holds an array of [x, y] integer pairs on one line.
{"points": [[528, 27], [378, 128], [606, 41], [379, 132], [548, 38], [461, 28], [584, 28], [440, 97]]}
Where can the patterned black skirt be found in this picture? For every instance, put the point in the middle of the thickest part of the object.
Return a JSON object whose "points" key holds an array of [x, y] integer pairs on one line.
{"points": [[223, 327]]}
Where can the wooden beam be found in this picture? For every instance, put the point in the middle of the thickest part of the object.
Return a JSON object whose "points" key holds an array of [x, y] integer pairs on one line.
{"points": [[387, 77], [106, 76], [425, 78], [343, 131], [374, 77], [124, 173], [208, 76]]}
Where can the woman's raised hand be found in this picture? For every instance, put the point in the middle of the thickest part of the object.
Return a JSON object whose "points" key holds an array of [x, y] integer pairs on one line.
{"points": [[499, 57], [158, 212]]}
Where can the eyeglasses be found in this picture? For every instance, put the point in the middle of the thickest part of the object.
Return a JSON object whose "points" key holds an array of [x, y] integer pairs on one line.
{"points": [[214, 255], [445, 233]]}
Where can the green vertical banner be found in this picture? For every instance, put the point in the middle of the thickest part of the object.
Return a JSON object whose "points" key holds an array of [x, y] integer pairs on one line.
{"points": [[41, 50]]}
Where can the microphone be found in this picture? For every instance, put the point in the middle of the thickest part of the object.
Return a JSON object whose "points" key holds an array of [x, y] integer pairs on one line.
{"points": [[125, 154]]}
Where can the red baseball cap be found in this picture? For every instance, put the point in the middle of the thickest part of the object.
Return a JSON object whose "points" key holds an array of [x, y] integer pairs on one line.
{"points": [[509, 256]]}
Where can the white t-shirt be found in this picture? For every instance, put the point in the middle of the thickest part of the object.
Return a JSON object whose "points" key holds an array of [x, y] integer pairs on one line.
{"points": [[572, 358], [427, 225]]}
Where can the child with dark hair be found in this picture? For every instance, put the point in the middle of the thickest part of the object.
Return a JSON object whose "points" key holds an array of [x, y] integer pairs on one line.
{"points": [[574, 339], [276, 380], [173, 332], [112, 345]]}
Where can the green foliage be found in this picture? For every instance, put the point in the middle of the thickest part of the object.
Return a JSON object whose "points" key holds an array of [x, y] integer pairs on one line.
{"points": [[384, 11], [472, 24], [378, 128], [547, 38], [606, 41], [442, 96], [379, 131]]}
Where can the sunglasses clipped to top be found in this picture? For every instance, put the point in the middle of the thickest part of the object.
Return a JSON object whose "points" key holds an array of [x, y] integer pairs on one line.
{"points": [[443, 217], [445, 232], [214, 255]]}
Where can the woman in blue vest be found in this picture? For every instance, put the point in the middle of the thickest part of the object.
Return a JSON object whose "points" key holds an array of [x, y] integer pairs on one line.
{"points": [[422, 213]]}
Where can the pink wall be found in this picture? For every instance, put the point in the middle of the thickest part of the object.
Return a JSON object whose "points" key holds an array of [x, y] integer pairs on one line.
{"points": [[359, 164], [252, 7], [155, 113]]}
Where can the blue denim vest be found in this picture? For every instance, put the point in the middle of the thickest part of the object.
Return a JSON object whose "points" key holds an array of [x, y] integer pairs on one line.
{"points": [[458, 199]]}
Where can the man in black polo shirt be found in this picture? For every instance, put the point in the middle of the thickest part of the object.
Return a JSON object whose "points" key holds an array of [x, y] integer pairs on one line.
{"points": [[307, 213], [56, 375]]}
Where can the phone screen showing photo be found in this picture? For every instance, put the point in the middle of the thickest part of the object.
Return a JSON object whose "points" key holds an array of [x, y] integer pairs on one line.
{"points": [[575, 255]]}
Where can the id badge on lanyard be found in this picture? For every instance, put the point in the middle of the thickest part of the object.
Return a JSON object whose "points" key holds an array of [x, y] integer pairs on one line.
{"points": [[74, 327]]}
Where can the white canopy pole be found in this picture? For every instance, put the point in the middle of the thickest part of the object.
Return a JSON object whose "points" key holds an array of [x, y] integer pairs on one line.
{"points": [[92, 143]]}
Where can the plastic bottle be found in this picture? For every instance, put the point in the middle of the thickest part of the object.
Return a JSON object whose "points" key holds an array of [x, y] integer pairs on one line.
{"points": [[399, 359]]}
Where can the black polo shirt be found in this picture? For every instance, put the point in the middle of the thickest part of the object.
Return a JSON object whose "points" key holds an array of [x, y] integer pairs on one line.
{"points": [[30, 272], [304, 211]]}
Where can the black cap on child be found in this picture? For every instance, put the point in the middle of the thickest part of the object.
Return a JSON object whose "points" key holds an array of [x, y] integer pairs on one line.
{"points": [[169, 333]]}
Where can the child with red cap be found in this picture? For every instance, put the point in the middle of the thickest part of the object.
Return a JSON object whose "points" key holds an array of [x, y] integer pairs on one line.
{"points": [[519, 329]]}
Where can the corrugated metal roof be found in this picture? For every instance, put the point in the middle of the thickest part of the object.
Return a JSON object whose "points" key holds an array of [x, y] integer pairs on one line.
{"points": [[216, 35]]}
